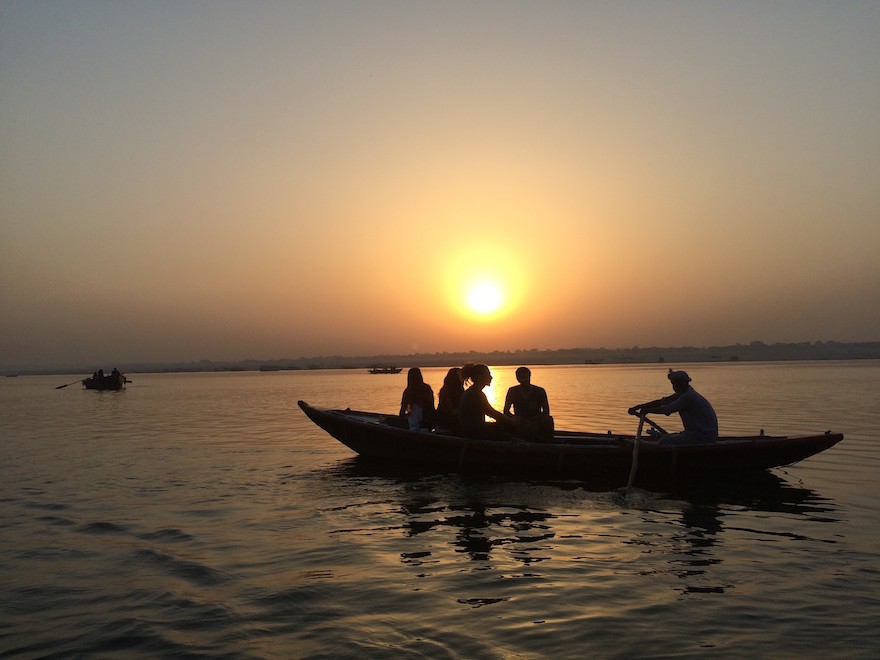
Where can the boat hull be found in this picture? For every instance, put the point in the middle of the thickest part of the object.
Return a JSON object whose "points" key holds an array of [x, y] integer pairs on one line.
{"points": [[570, 455], [111, 382]]}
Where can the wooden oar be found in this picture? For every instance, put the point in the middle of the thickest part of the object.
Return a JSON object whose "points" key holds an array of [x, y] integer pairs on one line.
{"points": [[651, 422], [61, 387], [657, 426], [635, 461]]}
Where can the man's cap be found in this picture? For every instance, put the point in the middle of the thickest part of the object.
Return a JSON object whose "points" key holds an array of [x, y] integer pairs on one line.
{"points": [[680, 376]]}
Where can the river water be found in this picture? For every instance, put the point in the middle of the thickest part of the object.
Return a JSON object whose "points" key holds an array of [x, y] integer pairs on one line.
{"points": [[202, 515]]}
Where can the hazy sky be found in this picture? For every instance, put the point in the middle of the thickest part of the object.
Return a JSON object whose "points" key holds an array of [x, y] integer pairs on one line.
{"points": [[231, 180]]}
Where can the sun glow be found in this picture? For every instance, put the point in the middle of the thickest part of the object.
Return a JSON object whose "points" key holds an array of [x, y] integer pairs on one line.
{"points": [[484, 284], [484, 297]]}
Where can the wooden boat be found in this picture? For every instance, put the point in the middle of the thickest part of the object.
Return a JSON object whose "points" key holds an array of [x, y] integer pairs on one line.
{"points": [[112, 381], [570, 454], [386, 370]]}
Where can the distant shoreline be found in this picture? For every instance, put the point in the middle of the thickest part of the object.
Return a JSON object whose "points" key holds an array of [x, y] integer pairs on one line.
{"points": [[754, 352]]}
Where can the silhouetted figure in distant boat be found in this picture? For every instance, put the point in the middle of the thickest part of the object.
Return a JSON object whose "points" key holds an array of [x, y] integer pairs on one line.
{"points": [[417, 402], [475, 407], [697, 415], [530, 404]]}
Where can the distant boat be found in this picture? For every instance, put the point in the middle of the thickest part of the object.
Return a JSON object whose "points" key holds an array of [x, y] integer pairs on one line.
{"points": [[386, 370], [113, 381]]}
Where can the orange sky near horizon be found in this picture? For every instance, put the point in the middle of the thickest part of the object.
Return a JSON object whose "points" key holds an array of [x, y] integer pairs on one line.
{"points": [[224, 182]]}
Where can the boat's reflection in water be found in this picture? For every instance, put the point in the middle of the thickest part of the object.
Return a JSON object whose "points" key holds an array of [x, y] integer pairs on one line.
{"points": [[762, 490], [521, 523]]}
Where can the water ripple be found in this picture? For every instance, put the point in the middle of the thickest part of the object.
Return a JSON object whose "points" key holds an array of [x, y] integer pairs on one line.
{"points": [[103, 528], [192, 571]]}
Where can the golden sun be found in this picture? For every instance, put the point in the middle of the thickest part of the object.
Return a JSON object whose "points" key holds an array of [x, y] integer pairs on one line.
{"points": [[484, 284], [484, 297]]}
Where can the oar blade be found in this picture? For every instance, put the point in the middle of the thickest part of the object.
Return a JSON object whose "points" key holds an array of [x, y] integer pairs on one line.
{"points": [[61, 387]]}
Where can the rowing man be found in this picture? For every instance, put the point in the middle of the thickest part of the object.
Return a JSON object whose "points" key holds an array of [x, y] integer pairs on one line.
{"points": [[697, 415]]}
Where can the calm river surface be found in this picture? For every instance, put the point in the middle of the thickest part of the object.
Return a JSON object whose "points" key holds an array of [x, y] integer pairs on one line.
{"points": [[202, 515]]}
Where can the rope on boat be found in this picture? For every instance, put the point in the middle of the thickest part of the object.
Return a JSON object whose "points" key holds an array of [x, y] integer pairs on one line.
{"points": [[635, 461], [464, 447], [559, 460]]}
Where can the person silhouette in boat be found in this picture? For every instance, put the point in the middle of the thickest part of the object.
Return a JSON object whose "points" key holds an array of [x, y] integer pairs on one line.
{"points": [[475, 407], [697, 414], [529, 403], [417, 402], [115, 376], [448, 399]]}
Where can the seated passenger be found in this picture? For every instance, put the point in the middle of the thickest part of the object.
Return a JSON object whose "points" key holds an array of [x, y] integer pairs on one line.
{"points": [[529, 402], [417, 402], [448, 399], [475, 407]]}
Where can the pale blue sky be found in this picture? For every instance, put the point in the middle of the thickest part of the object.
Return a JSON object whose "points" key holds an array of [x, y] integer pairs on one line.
{"points": [[228, 180]]}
